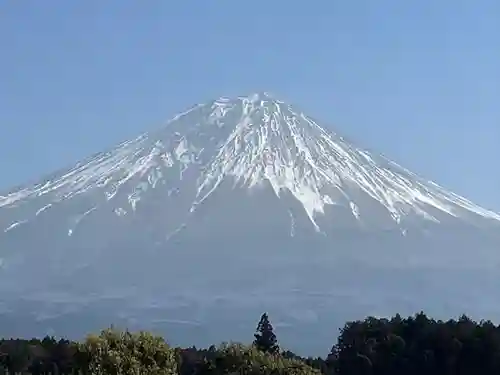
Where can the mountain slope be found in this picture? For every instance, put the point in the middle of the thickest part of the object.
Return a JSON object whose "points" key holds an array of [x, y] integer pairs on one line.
{"points": [[245, 203]]}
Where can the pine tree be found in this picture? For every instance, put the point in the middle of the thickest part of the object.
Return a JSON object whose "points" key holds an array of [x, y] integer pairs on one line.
{"points": [[265, 339]]}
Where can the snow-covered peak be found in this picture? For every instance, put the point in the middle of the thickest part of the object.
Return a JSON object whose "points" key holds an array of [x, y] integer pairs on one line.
{"points": [[275, 143], [253, 141]]}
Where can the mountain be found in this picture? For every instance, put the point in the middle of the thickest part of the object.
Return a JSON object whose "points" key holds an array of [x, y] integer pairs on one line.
{"points": [[235, 207]]}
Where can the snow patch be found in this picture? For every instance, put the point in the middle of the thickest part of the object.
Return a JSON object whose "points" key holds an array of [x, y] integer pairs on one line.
{"points": [[43, 209], [14, 225], [292, 224], [354, 209], [77, 220], [120, 211]]}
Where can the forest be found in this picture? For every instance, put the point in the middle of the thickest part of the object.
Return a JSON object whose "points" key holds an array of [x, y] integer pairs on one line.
{"points": [[413, 345]]}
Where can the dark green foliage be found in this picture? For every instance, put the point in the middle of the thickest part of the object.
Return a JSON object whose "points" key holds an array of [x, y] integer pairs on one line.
{"points": [[412, 346], [418, 345], [47, 356], [15, 355], [265, 339]]}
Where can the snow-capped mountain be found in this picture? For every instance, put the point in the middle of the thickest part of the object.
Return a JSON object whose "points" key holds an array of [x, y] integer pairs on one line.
{"points": [[234, 207]]}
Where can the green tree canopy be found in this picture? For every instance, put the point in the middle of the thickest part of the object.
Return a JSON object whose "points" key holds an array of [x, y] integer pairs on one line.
{"points": [[124, 353]]}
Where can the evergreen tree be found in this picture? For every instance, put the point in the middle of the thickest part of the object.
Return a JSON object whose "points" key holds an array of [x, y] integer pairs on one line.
{"points": [[265, 339]]}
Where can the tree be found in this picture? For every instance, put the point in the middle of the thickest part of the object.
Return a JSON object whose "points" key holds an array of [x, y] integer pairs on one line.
{"points": [[119, 353], [243, 360], [15, 355], [265, 339]]}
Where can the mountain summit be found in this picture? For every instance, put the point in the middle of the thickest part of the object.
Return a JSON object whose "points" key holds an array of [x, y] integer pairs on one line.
{"points": [[240, 202]]}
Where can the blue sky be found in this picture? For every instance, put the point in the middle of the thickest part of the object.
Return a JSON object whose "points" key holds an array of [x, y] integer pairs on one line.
{"points": [[418, 80]]}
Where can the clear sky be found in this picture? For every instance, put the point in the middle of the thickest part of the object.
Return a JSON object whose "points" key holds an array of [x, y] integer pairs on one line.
{"points": [[418, 80]]}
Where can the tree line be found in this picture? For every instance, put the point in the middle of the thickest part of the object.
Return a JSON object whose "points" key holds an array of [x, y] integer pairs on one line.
{"points": [[413, 345]]}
